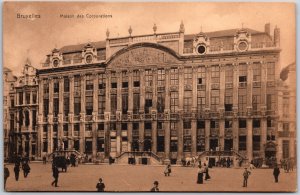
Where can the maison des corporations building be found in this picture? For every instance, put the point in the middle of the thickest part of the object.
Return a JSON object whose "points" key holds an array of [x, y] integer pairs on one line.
{"points": [[171, 94]]}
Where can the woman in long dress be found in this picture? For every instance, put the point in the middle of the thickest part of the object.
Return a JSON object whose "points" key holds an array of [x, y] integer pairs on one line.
{"points": [[200, 175]]}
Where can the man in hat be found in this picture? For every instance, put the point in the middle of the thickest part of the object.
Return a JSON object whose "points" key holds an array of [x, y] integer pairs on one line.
{"points": [[100, 186], [55, 175], [246, 176], [276, 173], [155, 187], [6, 175]]}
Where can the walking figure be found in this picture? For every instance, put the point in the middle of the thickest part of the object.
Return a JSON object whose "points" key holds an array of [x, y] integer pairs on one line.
{"points": [[155, 187], [168, 170], [26, 169], [206, 172], [6, 175], [44, 159], [55, 175], [200, 175], [276, 173], [100, 186], [17, 171], [246, 176]]}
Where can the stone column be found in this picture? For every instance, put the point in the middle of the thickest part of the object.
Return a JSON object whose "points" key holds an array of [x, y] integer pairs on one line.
{"points": [[71, 111], [235, 133], [222, 107], [107, 117], [194, 110], [60, 133], [154, 112], [95, 116], [263, 133], [40, 97], [30, 145], [119, 113], [180, 111], [249, 139], [130, 108], [50, 117], [82, 115], [235, 124], [207, 134], [142, 109], [166, 125]]}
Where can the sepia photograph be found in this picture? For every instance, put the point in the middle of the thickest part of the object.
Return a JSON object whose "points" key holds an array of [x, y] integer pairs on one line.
{"points": [[149, 97]]}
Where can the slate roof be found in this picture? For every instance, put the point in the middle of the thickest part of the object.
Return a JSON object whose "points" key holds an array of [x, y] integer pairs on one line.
{"points": [[79, 47]]}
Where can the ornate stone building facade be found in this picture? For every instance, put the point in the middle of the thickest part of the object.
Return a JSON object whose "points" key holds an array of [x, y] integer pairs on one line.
{"points": [[172, 94]]}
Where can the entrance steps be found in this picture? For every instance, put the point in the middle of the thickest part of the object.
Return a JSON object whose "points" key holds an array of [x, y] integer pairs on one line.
{"points": [[143, 157]]}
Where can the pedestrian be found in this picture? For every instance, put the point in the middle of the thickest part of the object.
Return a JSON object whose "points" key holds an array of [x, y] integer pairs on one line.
{"points": [[100, 186], [206, 172], [251, 166], [155, 187], [6, 175], [246, 176], [44, 159], [26, 169], [200, 175], [55, 175], [276, 173], [168, 170], [17, 171]]}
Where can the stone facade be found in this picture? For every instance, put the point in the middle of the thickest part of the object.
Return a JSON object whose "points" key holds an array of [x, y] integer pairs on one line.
{"points": [[173, 94]]}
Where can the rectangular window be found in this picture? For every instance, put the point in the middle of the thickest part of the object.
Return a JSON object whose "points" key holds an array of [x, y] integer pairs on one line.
{"points": [[89, 85], [201, 75], [242, 143], [46, 107], [56, 86], [161, 77], [228, 124], [174, 76], [228, 100], [27, 97], [148, 102], [187, 125], [124, 103], [160, 102], [215, 99], [66, 84], [66, 106], [173, 146], [101, 104], [77, 105], [77, 84], [148, 78], [46, 88], [187, 101], [124, 79], [55, 106], [270, 123], [160, 143], [187, 144], [101, 81], [20, 98], [256, 142], [136, 78], [89, 105], [148, 125], [113, 103], [174, 101], [256, 72], [242, 101], [214, 124], [201, 100], [200, 124], [271, 102], [88, 127], [114, 84], [242, 123], [256, 99], [215, 74], [270, 71], [136, 103], [124, 126], [285, 148], [228, 73], [188, 76], [34, 97], [256, 123]]}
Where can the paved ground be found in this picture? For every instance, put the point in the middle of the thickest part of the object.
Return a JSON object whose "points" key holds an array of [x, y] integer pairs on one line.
{"points": [[140, 178]]}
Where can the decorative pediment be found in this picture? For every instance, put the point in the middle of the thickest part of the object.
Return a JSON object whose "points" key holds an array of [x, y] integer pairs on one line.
{"points": [[143, 55]]}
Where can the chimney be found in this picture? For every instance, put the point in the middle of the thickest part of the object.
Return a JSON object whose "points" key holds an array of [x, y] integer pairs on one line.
{"points": [[277, 36], [267, 28]]}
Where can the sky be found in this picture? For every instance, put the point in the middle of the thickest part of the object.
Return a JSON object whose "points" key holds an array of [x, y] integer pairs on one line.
{"points": [[35, 38]]}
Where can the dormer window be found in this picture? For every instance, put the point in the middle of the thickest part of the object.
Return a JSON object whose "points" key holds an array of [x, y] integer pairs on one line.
{"points": [[89, 59], [243, 46], [55, 62], [201, 49]]}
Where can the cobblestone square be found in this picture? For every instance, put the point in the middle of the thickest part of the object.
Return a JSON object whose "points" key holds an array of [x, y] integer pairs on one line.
{"points": [[140, 178]]}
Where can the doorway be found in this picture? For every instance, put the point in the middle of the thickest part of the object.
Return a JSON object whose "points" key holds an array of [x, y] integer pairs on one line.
{"points": [[228, 144], [213, 144]]}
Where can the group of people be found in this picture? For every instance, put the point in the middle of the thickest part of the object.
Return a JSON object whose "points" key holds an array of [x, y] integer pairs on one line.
{"points": [[224, 162], [287, 164], [20, 162], [202, 171]]}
